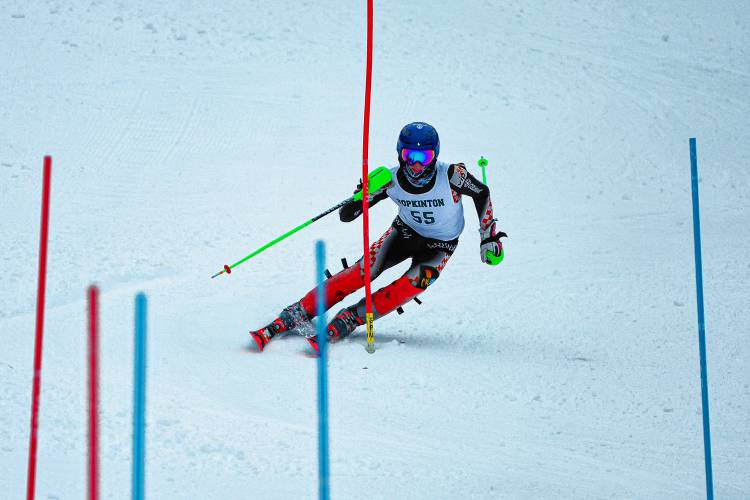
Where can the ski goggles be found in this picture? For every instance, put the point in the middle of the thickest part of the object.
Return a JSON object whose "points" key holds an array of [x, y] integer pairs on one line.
{"points": [[412, 156]]}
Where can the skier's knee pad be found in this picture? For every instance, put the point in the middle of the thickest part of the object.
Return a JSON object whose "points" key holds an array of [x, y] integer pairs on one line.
{"points": [[422, 276]]}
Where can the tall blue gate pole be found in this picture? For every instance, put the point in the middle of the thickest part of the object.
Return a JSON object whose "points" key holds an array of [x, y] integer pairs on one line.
{"points": [[139, 397], [701, 322], [320, 255]]}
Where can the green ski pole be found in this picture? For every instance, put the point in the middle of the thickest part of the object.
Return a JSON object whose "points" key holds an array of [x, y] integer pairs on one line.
{"points": [[491, 258], [482, 162], [377, 179]]}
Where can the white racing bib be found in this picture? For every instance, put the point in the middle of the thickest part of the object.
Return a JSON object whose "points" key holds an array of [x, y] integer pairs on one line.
{"points": [[434, 214]]}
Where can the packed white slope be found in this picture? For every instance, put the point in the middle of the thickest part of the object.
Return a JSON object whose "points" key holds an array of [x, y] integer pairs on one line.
{"points": [[184, 135]]}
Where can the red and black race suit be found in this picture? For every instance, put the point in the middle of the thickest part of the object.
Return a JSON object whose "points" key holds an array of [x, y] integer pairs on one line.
{"points": [[399, 243]]}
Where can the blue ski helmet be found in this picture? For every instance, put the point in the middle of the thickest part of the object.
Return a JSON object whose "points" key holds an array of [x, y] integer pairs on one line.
{"points": [[418, 136]]}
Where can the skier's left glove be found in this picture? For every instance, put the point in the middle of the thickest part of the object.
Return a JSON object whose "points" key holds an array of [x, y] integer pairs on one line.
{"points": [[490, 246]]}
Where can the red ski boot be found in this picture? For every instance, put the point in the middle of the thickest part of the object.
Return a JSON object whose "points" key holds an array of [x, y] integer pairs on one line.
{"points": [[265, 334], [290, 318], [344, 323]]}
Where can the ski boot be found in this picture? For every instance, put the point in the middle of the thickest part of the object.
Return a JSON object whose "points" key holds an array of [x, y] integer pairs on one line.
{"points": [[289, 319], [345, 322]]}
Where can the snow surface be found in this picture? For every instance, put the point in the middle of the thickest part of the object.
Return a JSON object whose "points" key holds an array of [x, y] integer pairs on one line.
{"points": [[185, 134]]}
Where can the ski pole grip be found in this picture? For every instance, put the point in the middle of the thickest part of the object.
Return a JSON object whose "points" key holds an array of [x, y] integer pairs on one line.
{"points": [[378, 178], [493, 259]]}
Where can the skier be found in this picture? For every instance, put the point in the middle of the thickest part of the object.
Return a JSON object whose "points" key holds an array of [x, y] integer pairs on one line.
{"points": [[429, 221]]}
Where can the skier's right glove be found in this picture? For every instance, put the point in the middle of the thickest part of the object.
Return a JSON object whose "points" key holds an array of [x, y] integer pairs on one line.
{"points": [[353, 209], [490, 246]]}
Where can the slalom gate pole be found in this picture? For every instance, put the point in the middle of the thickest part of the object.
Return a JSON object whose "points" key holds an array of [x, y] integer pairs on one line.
{"points": [[139, 398], [375, 180], [323, 472], [701, 322], [41, 288], [365, 200], [93, 362]]}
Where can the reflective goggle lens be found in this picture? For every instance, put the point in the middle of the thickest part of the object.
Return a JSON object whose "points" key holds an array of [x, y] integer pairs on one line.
{"points": [[412, 156]]}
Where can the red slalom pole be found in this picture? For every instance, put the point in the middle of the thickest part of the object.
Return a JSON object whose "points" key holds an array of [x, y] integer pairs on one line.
{"points": [[42, 283], [365, 200], [93, 300]]}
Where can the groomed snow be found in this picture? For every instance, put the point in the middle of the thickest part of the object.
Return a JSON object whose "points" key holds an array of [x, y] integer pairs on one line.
{"points": [[186, 134]]}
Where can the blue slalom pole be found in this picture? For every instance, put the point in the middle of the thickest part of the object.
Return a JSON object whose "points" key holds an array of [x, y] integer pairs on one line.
{"points": [[139, 397], [320, 255], [701, 322]]}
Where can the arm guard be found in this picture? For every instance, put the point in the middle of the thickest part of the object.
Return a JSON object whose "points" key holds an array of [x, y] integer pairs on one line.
{"points": [[466, 184]]}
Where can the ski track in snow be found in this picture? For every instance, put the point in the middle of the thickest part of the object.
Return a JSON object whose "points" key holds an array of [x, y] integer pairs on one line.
{"points": [[185, 135]]}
